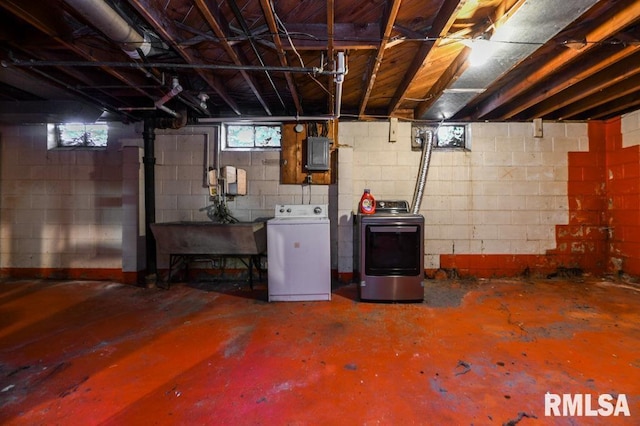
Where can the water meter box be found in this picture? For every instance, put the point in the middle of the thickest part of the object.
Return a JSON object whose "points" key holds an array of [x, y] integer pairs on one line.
{"points": [[318, 154]]}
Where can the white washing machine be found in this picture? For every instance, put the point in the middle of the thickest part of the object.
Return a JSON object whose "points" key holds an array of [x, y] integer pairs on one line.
{"points": [[298, 253]]}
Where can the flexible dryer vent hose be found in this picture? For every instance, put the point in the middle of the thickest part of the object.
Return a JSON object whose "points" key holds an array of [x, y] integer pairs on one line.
{"points": [[427, 145]]}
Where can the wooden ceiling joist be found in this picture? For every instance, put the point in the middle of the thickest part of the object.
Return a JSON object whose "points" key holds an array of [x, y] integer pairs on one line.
{"points": [[229, 49], [169, 32], [441, 25], [621, 17], [373, 72]]}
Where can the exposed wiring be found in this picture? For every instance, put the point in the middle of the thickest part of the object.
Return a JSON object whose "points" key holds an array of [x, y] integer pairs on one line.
{"points": [[612, 42], [307, 182], [293, 47], [286, 33], [320, 84]]}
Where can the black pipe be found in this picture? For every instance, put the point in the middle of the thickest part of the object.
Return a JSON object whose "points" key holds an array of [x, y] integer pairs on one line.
{"points": [[164, 65], [149, 161]]}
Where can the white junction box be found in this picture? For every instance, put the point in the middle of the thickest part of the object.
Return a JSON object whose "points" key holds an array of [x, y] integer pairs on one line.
{"points": [[234, 180], [228, 173], [239, 187]]}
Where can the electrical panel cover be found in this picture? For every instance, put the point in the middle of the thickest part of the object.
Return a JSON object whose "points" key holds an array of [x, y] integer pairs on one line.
{"points": [[318, 154]]}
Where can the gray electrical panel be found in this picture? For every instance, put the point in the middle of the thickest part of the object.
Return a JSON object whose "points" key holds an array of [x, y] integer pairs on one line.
{"points": [[318, 154]]}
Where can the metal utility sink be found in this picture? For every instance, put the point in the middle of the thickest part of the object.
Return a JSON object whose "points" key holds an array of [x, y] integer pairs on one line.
{"points": [[184, 242], [241, 238]]}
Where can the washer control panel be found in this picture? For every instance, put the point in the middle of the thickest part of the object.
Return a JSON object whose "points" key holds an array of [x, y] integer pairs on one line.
{"points": [[301, 210]]}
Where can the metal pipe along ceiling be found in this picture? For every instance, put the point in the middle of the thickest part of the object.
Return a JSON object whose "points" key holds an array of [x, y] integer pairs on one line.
{"points": [[107, 20], [175, 65]]}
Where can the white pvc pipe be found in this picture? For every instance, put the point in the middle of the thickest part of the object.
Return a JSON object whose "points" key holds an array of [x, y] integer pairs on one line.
{"points": [[339, 79]]}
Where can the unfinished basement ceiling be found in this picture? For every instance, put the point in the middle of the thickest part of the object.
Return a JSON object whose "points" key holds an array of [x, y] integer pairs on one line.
{"points": [[280, 59]]}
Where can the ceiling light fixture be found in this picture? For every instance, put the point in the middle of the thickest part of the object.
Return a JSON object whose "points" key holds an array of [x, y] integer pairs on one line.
{"points": [[203, 100], [481, 49]]}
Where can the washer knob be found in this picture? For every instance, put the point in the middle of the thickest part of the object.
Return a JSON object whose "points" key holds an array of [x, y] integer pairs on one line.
{"points": [[317, 210]]}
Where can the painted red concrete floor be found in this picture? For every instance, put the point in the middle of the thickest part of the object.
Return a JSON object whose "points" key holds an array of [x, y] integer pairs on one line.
{"points": [[483, 352]]}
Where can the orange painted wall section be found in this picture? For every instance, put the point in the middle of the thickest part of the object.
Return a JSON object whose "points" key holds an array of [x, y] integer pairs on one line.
{"points": [[603, 233], [623, 202], [495, 265], [582, 243], [73, 274]]}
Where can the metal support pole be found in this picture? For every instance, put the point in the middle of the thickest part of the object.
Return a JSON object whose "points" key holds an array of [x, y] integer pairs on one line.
{"points": [[149, 161]]}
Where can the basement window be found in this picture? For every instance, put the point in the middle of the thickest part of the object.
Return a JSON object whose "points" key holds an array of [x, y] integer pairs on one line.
{"points": [[451, 136], [77, 135], [445, 136], [252, 136]]}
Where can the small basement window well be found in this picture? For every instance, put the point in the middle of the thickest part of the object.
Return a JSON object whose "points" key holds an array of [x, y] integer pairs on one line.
{"points": [[252, 136], [77, 135], [445, 136]]}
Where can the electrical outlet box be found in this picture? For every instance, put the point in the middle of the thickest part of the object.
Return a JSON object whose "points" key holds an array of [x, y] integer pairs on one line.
{"points": [[393, 129], [538, 130]]}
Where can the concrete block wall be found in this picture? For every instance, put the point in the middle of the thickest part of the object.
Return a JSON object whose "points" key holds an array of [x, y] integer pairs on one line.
{"points": [[181, 164], [344, 202], [511, 203], [503, 197], [623, 193], [79, 213], [61, 209], [630, 129], [516, 198], [388, 169], [181, 194]]}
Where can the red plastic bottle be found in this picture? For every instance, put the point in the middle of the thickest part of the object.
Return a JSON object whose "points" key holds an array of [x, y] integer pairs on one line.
{"points": [[367, 203]]}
